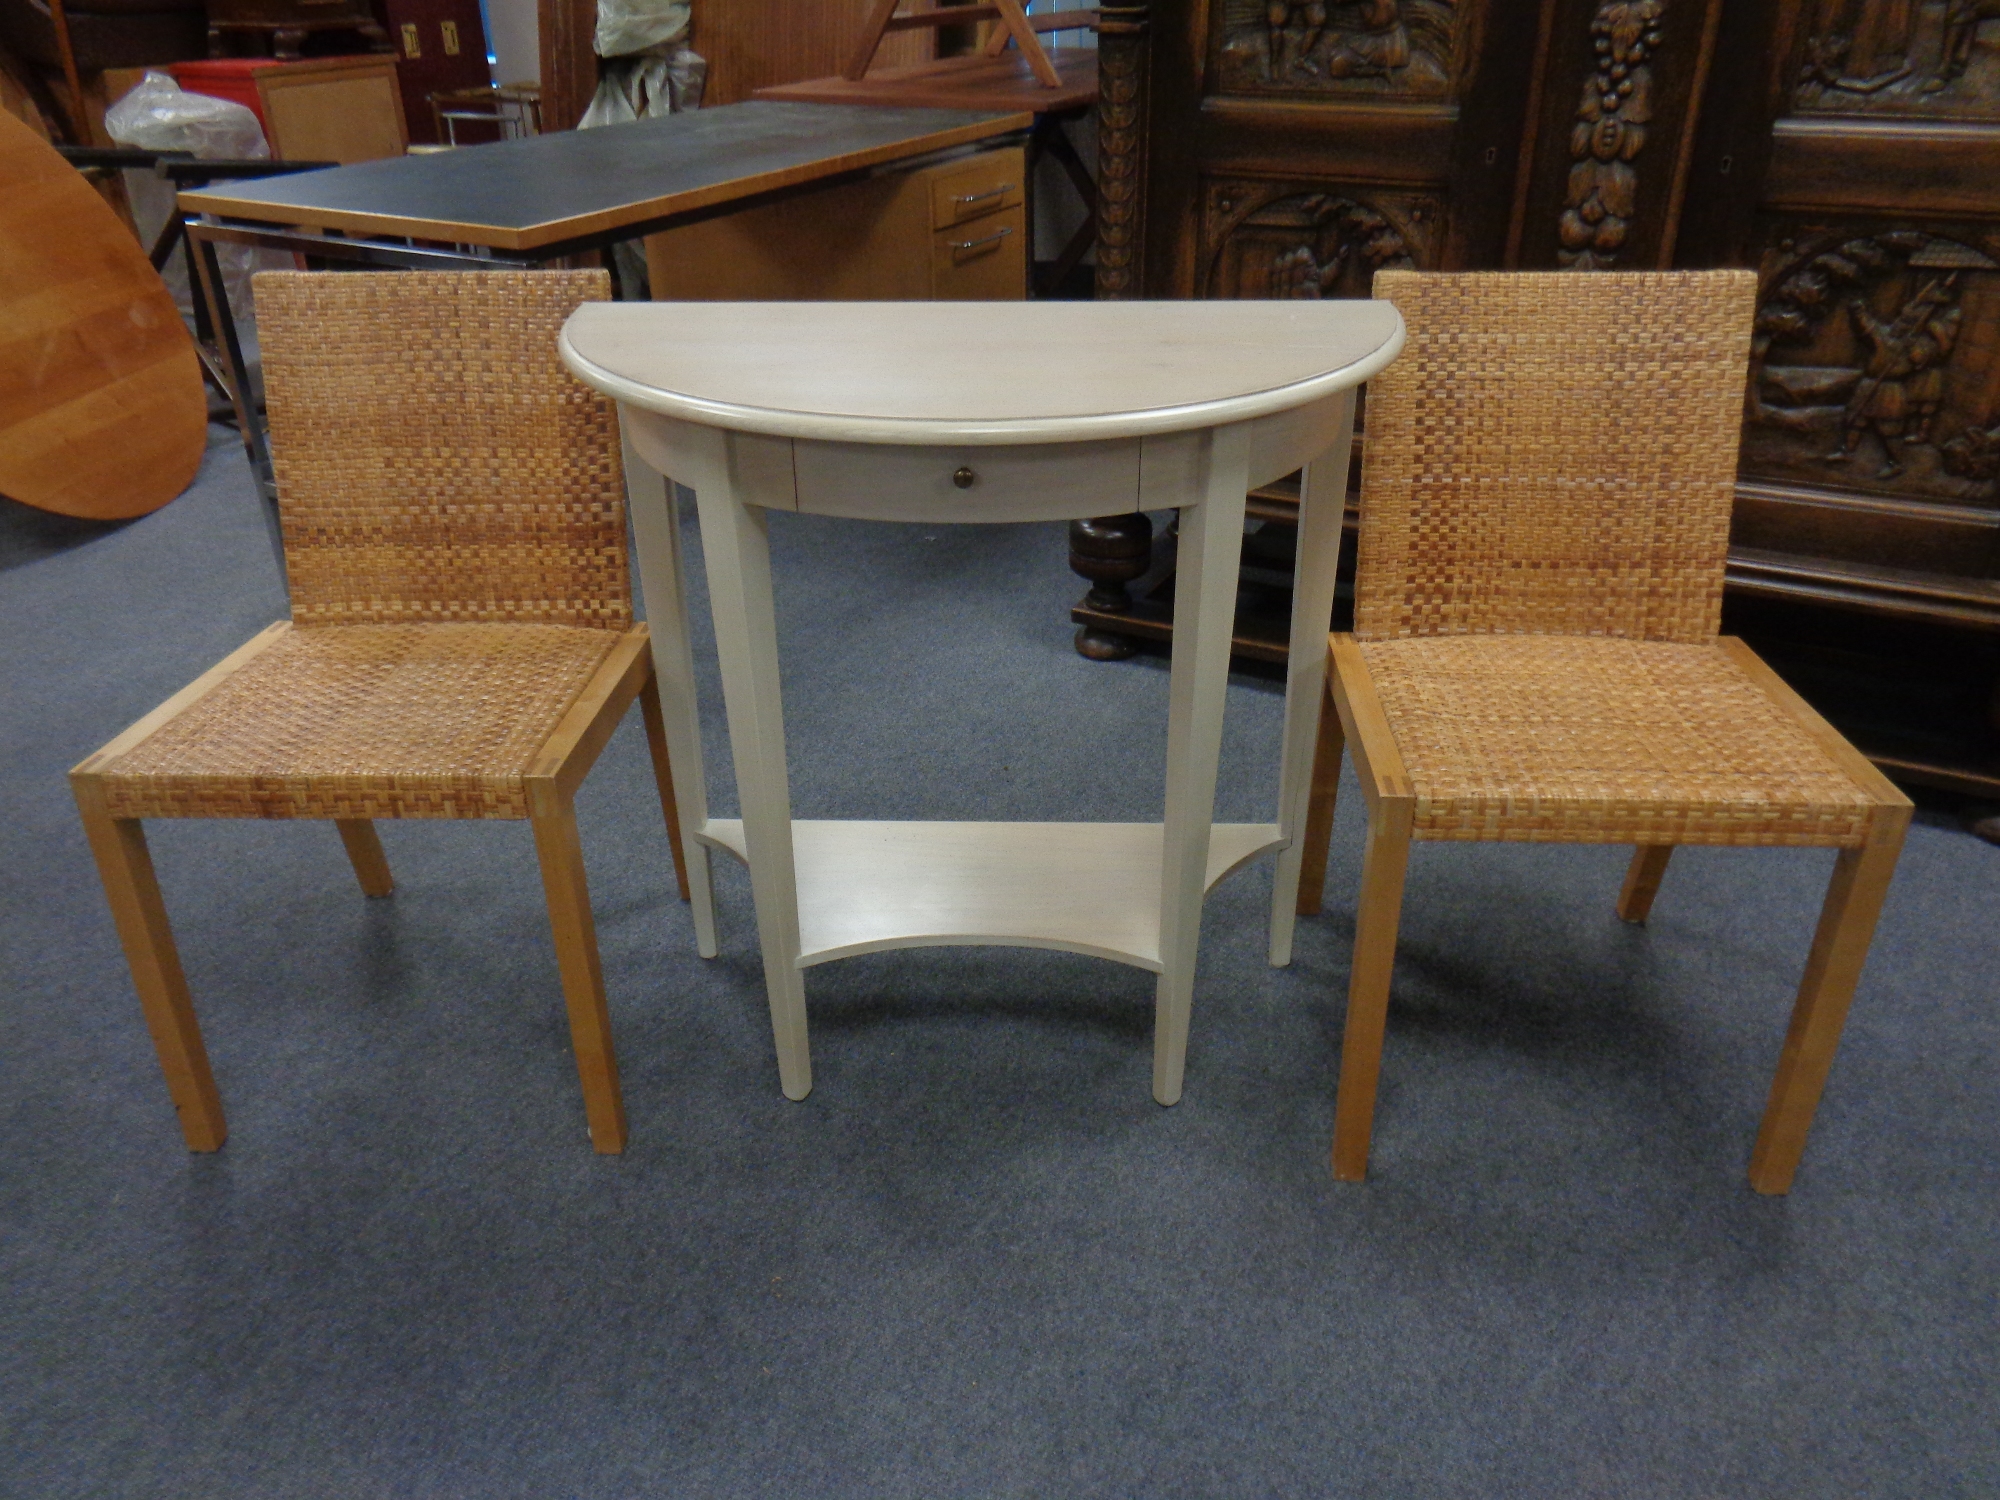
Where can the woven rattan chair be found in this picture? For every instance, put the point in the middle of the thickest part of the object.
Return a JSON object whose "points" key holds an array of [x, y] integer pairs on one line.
{"points": [[461, 642], [1545, 510]]}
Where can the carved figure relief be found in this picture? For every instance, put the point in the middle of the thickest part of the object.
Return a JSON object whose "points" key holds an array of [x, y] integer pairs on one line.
{"points": [[1387, 47], [1876, 365], [1267, 240], [1609, 134], [1920, 57]]}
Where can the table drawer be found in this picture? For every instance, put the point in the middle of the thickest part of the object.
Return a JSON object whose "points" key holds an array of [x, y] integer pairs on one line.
{"points": [[1049, 482], [984, 185], [985, 260]]}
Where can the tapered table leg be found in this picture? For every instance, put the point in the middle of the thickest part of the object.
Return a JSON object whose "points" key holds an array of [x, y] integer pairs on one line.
{"points": [[1322, 499], [657, 533], [1204, 605]]}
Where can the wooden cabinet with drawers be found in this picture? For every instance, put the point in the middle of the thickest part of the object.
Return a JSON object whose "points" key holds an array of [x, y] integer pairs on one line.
{"points": [[952, 231]]}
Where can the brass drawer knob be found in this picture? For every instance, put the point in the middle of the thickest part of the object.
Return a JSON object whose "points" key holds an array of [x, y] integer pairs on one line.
{"points": [[964, 478]]}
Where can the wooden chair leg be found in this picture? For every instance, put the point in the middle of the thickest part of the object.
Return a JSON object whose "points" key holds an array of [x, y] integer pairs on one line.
{"points": [[1375, 923], [553, 818], [663, 775], [1642, 881], [133, 891], [364, 851], [1318, 835], [1840, 947]]}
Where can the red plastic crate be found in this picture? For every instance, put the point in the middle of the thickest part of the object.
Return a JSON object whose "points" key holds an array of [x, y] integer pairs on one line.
{"points": [[231, 78]]}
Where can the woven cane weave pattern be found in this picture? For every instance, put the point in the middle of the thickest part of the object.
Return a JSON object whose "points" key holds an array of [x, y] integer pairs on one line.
{"points": [[1568, 739], [1553, 454], [435, 461], [366, 721]]}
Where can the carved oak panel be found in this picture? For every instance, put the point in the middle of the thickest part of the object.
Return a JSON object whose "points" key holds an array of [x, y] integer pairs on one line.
{"points": [[1876, 362], [1265, 239], [1319, 48], [1936, 58], [1610, 141], [1609, 133]]}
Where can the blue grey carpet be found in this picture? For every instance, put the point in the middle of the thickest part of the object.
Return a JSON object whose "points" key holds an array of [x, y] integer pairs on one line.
{"points": [[979, 1261]]}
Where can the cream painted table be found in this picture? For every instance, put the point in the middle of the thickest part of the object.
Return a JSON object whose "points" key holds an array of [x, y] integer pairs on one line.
{"points": [[965, 412]]}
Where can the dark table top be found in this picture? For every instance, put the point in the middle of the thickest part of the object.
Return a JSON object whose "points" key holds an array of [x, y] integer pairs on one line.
{"points": [[547, 189]]}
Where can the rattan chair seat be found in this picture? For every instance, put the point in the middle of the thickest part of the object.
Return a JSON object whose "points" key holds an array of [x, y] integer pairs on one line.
{"points": [[365, 721], [1568, 739]]}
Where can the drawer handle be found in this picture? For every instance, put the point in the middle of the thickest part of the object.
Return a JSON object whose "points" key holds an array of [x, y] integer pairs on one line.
{"points": [[965, 479], [964, 199], [991, 239]]}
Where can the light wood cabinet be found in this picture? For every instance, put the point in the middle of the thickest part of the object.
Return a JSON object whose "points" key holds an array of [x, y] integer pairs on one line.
{"points": [[952, 231]]}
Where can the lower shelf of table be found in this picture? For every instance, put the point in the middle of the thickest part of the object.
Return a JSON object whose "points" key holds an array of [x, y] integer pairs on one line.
{"points": [[1081, 887]]}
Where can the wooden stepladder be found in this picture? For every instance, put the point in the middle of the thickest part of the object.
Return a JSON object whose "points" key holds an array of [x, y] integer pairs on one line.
{"points": [[1015, 26]]}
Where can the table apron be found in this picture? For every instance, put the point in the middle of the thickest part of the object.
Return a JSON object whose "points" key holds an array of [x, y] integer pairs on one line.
{"points": [[970, 483]]}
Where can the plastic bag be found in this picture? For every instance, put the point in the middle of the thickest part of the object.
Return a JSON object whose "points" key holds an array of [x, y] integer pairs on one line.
{"points": [[159, 115], [663, 82], [628, 26]]}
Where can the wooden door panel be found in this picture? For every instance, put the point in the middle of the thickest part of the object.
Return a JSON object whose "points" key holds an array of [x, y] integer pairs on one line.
{"points": [[1847, 164], [1915, 59], [1328, 143], [1365, 49], [1280, 239], [1353, 142], [1876, 362], [1610, 133]]}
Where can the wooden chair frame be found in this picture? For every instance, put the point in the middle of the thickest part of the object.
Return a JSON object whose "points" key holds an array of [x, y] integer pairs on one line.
{"points": [[1840, 945], [1015, 26], [558, 768]]}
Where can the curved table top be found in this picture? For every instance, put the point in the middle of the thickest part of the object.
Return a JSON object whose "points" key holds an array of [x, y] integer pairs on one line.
{"points": [[985, 373]]}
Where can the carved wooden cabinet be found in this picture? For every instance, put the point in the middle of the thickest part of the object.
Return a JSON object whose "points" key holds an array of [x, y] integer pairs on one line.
{"points": [[1862, 138], [1848, 149]]}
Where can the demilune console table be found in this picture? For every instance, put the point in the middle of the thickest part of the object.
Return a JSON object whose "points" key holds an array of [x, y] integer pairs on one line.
{"points": [[968, 412]]}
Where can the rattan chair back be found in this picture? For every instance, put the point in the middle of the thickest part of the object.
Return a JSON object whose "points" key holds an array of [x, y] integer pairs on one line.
{"points": [[435, 461], [1555, 454]]}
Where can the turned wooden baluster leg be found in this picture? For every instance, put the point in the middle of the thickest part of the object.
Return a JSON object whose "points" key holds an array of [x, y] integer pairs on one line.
{"points": [[1110, 551], [1322, 500], [1382, 870], [1317, 836], [1204, 609], [364, 852], [735, 543], [1840, 947], [553, 818], [656, 529], [133, 892], [1642, 881]]}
